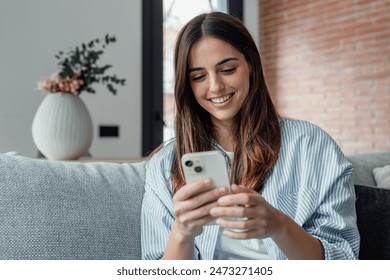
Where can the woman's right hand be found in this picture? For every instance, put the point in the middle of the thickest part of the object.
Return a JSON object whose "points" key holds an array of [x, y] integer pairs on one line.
{"points": [[192, 204]]}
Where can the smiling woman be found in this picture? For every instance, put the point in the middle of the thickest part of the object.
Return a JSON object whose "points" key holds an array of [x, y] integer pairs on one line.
{"points": [[291, 193]]}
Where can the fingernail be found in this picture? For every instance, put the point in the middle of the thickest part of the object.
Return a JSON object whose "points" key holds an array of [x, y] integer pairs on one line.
{"points": [[222, 200], [214, 211], [222, 190], [207, 181]]}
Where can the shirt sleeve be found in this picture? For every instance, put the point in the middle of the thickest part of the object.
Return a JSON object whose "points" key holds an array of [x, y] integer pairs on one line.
{"points": [[157, 215], [329, 174], [156, 223], [157, 209], [334, 222]]}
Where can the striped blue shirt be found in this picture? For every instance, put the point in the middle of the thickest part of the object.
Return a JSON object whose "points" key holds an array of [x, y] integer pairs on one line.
{"points": [[311, 183]]}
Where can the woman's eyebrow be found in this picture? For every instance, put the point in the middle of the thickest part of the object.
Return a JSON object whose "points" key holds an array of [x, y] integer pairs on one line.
{"points": [[226, 60], [218, 64], [195, 69]]}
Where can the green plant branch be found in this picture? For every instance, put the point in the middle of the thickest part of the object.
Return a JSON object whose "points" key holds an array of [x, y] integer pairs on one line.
{"points": [[82, 62]]}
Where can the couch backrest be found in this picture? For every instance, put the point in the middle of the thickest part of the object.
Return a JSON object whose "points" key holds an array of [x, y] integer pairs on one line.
{"points": [[364, 164], [69, 210]]}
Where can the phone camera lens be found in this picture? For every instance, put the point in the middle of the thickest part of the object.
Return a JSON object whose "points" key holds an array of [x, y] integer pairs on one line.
{"points": [[188, 163], [198, 169]]}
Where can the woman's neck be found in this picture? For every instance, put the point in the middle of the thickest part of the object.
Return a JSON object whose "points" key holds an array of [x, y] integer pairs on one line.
{"points": [[224, 137]]}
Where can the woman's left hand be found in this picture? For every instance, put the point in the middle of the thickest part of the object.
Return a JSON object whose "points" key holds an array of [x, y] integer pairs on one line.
{"points": [[253, 216]]}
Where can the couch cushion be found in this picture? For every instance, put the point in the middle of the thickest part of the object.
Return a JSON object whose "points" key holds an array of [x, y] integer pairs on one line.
{"points": [[382, 176], [373, 219], [69, 210], [364, 164]]}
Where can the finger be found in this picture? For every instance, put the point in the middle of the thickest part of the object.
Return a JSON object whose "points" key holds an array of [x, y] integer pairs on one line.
{"points": [[205, 197], [201, 214], [248, 234], [238, 212], [192, 189], [195, 224], [237, 223], [248, 199], [240, 189], [231, 211], [200, 200]]}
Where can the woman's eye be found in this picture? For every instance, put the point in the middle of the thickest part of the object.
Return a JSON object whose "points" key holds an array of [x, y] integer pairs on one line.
{"points": [[198, 78], [229, 71]]}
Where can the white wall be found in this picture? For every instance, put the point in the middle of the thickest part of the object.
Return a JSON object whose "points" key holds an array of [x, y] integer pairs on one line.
{"points": [[31, 32], [251, 18]]}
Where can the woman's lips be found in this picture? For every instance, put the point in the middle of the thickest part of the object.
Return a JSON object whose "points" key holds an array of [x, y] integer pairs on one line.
{"points": [[222, 99]]}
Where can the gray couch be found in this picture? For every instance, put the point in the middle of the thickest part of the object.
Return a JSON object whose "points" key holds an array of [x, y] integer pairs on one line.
{"points": [[70, 210]]}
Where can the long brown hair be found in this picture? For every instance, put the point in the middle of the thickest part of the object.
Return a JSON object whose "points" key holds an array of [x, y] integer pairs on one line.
{"points": [[256, 125]]}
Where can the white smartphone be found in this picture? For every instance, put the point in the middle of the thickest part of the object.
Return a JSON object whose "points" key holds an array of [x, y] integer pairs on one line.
{"points": [[210, 164], [201, 165]]}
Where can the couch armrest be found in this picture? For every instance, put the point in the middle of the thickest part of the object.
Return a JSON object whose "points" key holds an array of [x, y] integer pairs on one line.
{"points": [[68, 210]]}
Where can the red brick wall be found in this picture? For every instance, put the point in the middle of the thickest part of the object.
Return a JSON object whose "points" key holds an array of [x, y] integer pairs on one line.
{"points": [[329, 62]]}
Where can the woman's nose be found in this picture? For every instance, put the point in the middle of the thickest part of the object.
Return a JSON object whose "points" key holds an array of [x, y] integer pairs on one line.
{"points": [[216, 84]]}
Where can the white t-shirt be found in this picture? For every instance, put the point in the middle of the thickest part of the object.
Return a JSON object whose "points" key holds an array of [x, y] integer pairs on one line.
{"points": [[239, 249]]}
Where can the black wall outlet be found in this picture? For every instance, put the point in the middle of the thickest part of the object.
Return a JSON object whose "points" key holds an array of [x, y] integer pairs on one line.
{"points": [[108, 131]]}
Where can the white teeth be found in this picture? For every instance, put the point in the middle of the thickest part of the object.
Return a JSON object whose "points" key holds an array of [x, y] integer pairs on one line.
{"points": [[222, 99]]}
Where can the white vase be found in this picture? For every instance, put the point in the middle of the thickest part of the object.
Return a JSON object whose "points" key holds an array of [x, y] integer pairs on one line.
{"points": [[62, 127]]}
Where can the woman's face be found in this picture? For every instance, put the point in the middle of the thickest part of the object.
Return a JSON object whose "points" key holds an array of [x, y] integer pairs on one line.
{"points": [[219, 78]]}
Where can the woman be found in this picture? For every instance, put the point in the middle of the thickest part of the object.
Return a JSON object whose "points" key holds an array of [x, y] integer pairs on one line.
{"points": [[292, 186]]}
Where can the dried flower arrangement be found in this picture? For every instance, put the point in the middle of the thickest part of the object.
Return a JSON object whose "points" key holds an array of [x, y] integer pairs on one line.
{"points": [[79, 70]]}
